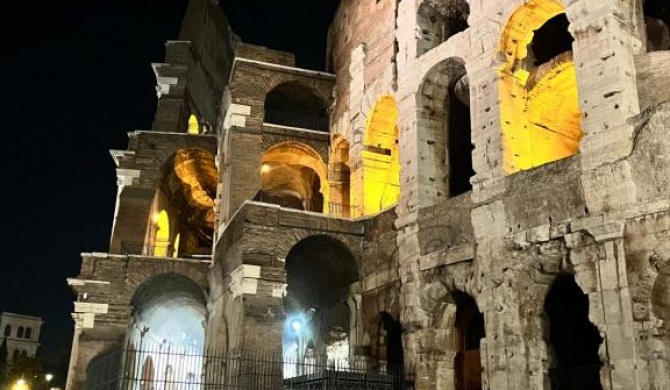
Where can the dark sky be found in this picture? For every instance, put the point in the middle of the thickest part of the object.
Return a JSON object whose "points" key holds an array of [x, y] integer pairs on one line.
{"points": [[76, 77]]}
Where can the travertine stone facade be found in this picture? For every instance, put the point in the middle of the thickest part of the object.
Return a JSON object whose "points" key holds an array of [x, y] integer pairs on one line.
{"points": [[462, 283]]}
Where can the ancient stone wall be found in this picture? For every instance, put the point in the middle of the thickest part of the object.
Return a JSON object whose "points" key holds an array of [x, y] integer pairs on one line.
{"points": [[597, 216]]}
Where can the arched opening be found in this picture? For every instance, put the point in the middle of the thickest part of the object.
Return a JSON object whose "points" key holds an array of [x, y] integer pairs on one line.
{"points": [[169, 309], [439, 20], [293, 175], [445, 127], [340, 180], [469, 331], [657, 21], [104, 368], [148, 374], [19, 333], [168, 328], [381, 157], [539, 105], [183, 212], [573, 339], [294, 105], [29, 333], [319, 273], [8, 330], [390, 340]]}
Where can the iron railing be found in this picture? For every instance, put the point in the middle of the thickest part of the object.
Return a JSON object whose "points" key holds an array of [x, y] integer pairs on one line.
{"points": [[175, 369], [296, 119], [158, 249], [313, 205]]}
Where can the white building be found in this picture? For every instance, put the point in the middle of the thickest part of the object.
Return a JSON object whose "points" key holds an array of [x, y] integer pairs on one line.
{"points": [[21, 332]]}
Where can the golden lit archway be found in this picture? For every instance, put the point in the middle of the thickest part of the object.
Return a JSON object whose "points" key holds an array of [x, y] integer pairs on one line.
{"points": [[162, 223], [294, 175], [539, 105], [381, 157]]}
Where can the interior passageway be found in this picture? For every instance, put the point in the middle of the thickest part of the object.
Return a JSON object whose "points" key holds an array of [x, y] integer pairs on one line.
{"points": [[319, 273], [574, 340], [469, 333]]}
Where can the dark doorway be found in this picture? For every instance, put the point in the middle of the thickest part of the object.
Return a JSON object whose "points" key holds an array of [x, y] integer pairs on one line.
{"points": [[574, 339], [657, 20], [552, 39], [469, 332], [294, 105], [395, 355], [459, 139]]}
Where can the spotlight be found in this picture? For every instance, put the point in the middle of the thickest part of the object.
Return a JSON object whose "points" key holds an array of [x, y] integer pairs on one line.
{"points": [[296, 325]]}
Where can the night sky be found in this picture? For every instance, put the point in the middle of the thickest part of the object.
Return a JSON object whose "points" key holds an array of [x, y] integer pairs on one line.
{"points": [[76, 77]]}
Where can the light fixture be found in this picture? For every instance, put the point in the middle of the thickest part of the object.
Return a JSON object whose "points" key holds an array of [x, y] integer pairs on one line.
{"points": [[265, 168], [296, 325]]}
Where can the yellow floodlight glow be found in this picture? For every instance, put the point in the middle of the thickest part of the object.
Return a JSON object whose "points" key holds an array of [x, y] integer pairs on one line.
{"points": [[193, 125], [265, 169], [381, 157], [162, 235], [539, 109], [20, 385], [176, 246]]}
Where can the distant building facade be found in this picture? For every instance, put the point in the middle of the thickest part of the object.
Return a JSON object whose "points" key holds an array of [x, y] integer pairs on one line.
{"points": [[22, 333]]}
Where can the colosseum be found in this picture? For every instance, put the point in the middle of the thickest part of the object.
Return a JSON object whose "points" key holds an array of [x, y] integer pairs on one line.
{"points": [[474, 194]]}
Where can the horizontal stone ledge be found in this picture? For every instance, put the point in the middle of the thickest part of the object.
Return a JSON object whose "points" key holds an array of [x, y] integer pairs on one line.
{"points": [[381, 278], [448, 256]]}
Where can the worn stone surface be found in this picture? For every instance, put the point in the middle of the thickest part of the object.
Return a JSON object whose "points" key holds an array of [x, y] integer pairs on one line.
{"points": [[600, 217]]}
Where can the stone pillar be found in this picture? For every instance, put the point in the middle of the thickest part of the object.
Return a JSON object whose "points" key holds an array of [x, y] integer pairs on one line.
{"points": [[600, 269], [487, 156], [133, 215], [357, 123], [241, 169], [259, 319], [604, 53], [173, 110]]}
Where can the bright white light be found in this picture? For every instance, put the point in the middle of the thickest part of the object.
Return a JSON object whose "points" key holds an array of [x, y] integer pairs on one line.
{"points": [[296, 325], [48, 377]]}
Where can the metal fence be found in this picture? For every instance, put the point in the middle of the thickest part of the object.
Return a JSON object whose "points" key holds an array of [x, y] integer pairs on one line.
{"points": [[174, 369], [159, 249], [313, 205], [296, 119]]}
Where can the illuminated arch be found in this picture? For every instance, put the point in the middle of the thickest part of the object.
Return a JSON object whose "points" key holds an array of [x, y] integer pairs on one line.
{"points": [[295, 169], [168, 309], [539, 105], [319, 272], [381, 157], [187, 192]]}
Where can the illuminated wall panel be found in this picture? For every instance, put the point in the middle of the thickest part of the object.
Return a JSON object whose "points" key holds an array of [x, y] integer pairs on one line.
{"points": [[539, 106], [381, 157]]}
